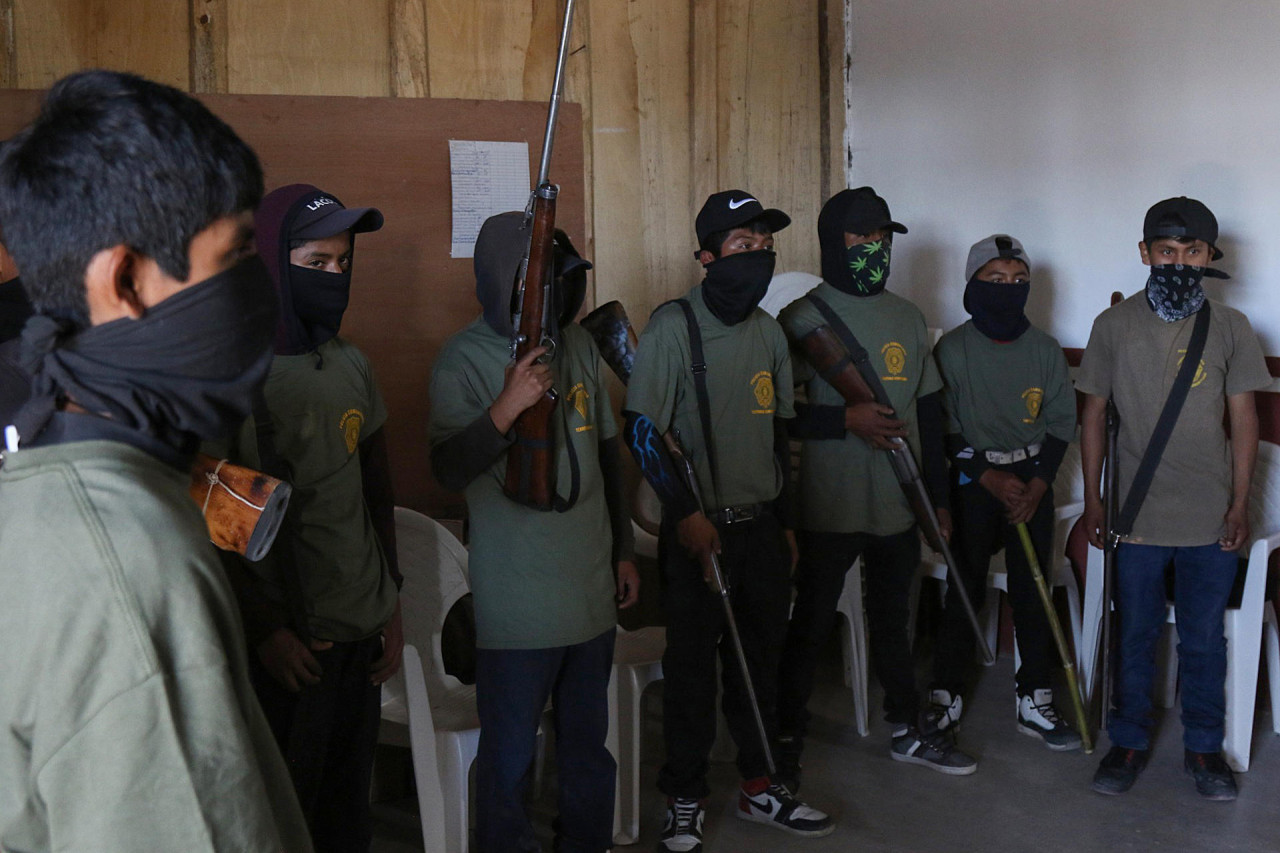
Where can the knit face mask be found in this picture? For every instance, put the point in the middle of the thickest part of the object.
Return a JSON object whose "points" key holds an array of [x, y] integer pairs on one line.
{"points": [[869, 266]]}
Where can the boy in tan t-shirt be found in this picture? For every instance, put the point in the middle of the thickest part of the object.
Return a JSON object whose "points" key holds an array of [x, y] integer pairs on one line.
{"points": [[1133, 356]]}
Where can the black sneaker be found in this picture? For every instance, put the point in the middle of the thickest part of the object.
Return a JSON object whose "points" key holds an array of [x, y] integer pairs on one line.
{"points": [[1037, 717], [786, 756], [683, 832], [777, 807], [933, 749], [1119, 769], [1214, 779]]}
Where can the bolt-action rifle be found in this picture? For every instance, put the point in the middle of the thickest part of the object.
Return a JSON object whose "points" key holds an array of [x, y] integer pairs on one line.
{"points": [[531, 460]]}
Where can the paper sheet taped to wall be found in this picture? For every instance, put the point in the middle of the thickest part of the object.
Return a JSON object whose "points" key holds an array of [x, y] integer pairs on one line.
{"points": [[487, 178]]}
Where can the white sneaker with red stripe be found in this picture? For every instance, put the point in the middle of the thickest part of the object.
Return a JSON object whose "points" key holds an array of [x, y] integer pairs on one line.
{"points": [[775, 806]]}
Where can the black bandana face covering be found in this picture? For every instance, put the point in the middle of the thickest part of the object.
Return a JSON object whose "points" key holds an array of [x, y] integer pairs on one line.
{"points": [[869, 266], [187, 369], [1174, 291], [735, 284], [998, 307], [319, 299]]}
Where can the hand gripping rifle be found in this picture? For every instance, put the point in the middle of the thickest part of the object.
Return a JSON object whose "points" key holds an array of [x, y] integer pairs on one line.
{"points": [[616, 340], [831, 358], [531, 460]]}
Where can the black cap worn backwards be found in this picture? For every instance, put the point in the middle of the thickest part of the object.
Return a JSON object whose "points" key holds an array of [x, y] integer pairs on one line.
{"points": [[1182, 217], [323, 216], [727, 210]]}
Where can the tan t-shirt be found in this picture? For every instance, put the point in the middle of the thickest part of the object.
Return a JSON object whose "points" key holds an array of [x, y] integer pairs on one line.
{"points": [[1134, 356]]}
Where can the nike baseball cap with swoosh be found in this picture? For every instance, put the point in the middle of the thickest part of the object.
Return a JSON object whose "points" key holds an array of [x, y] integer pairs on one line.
{"points": [[727, 210]]}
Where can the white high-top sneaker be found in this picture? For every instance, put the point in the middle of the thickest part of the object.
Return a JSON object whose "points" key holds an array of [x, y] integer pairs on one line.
{"points": [[1038, 717]]}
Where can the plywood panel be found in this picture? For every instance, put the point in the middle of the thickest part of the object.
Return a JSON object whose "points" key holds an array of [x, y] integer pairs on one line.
{"points": [[55, 37], [408, 22], [770, 133], [478, 48], [408, 295], [209, 30], [309, 47]]}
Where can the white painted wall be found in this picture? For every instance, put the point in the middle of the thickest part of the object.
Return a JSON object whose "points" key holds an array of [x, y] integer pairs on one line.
{"points": [[1061, 123]]}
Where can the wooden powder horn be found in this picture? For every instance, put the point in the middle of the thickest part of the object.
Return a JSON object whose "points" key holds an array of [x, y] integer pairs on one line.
{"points": [[242, 507]]}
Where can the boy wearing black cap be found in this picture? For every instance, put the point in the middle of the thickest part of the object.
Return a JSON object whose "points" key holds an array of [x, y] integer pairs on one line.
{"points": [[127, 720], [322, 609], [544, 582], [741, 382], [1134, 354], [1011, 413], [850, 503]]}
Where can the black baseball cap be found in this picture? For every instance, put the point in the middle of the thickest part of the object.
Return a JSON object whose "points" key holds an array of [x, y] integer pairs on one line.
{"points": [[865, 212], [321, 215], [726, 210], [1182, 217]]}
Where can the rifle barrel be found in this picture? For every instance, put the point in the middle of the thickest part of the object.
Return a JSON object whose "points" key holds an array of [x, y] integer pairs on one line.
{"points": [[548, 138]]}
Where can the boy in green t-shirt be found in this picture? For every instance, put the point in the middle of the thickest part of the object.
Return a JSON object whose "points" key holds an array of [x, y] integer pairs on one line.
{"points": [[742, 466], [544, 582], [1011, 413]]}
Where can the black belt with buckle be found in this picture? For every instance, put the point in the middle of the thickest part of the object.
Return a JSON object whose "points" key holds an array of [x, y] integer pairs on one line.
{"points": [[738, 514]]}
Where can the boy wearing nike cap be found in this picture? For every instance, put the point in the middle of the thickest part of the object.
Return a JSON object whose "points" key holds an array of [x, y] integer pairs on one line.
{"points": [[322, 609], [1134, 354], [1010, 415], [726, 405]]}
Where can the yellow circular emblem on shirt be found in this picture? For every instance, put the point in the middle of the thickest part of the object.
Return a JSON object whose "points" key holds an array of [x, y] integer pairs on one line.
{"points": [[578, 399], [762, 387], [1200, 376], [1034, 398], [895, 357], [352, 421]]}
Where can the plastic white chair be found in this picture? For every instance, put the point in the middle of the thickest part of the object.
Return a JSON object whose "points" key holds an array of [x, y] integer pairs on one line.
{"points": [[637, 663], [434, 565], [853, 645], [1243, 625], [406, 718]]}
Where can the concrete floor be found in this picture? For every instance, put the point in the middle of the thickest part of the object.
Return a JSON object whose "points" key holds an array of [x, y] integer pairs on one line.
{"points": [[1023, 797]]}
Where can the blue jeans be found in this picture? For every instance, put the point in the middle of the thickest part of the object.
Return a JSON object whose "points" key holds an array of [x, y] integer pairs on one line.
{"points": [[512, 688], [1203, 577]]}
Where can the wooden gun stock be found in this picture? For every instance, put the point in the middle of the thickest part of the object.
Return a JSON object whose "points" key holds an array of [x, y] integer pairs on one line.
{"points": [[531, 471], [243, 508]]}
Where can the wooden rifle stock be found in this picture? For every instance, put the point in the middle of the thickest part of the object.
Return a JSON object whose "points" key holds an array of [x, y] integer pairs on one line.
{"points": [[830, 357], [531, 472]]}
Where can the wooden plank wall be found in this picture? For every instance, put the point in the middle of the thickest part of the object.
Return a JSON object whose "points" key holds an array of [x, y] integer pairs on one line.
{"points": [[680, 97]]}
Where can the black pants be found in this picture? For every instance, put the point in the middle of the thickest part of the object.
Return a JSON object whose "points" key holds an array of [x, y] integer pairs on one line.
{"points": [[327, 733], [980, 531], [757, 563], [888, 565]]}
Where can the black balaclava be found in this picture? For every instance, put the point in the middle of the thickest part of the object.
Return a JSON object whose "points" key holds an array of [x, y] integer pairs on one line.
{"points": [[15, 308], [998, 308], [735, 284], [861, 270], [187, 370]]}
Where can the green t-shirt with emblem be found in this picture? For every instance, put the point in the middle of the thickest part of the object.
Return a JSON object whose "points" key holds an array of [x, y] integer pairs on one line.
{"points": [[540, 579], [847, 486], [1134, 356], [323, 404], [748, 385], [1005, 396]]}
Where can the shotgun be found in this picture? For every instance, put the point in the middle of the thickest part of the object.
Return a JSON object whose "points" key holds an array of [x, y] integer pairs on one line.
{"points": [[530, 478]]}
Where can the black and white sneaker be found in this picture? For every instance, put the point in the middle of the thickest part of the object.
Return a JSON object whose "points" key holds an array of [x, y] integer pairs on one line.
{"points": [[683, 832], [775, 806], [934, 749], [944, 710], [1037, 717]]}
